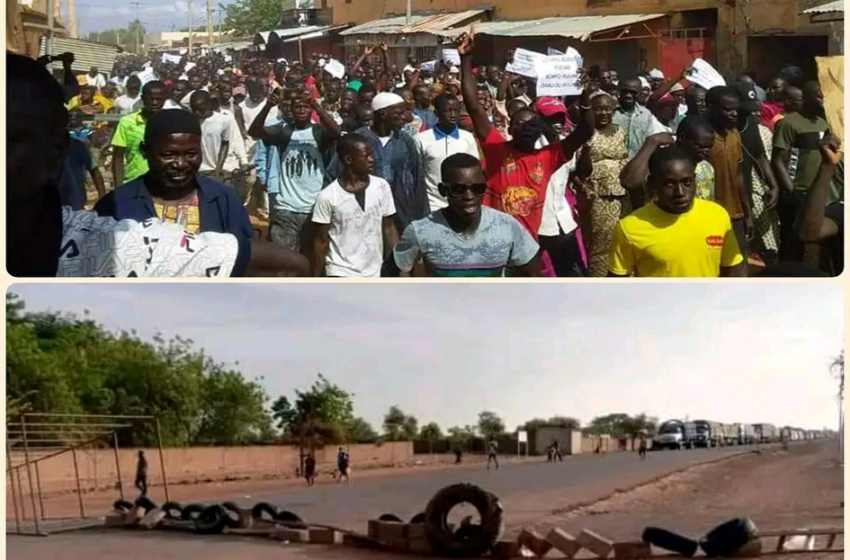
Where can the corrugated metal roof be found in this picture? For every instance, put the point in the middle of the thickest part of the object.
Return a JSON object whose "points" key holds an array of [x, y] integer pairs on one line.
{"points": [[836, 6], [571, 27], [419, 23], [278, 34], [86, 53], [318, 34]]}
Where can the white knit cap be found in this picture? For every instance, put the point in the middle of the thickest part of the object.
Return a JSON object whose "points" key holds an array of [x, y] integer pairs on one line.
{"points": [[644, 83], [656, 74], [386, 99]]}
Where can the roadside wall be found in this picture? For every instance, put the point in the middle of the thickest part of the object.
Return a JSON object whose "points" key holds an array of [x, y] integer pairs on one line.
{"points": [[202, 464]]}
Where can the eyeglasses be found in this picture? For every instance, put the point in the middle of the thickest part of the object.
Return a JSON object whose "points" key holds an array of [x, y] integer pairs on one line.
{"points": [[478, 189]]}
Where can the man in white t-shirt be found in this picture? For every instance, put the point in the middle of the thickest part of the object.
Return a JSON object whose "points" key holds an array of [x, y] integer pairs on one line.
{"points": [[440, 142], [215, 134], [355, 230], [131, 101]]}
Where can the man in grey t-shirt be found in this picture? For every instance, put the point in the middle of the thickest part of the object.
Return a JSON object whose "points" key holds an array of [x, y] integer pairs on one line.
{"points": [[466, 239]]}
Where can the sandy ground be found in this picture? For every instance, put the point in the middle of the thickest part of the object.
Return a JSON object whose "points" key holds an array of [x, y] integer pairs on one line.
{"points": [[798, 488]]}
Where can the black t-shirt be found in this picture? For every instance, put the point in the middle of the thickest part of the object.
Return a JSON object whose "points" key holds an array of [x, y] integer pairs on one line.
{"points": [[753, 148]]}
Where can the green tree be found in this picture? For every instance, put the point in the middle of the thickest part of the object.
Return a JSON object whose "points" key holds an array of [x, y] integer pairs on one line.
{"points": [[490, 424], [397, 425], [617, 425], [431, 433], [68, 364], [361, 431], [123, 37], [320, 415], [557, 421], [247, 17], [461, 437]]}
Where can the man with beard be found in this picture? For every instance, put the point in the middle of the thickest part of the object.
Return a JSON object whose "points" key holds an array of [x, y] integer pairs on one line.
{"points": [[44, 239], [727, 156], [463, 239], [127, 159], [675, 235], [518, 173], [443, 140]]}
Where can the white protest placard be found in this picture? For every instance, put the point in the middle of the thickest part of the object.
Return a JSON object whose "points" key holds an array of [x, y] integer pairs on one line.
{"points": [[571, 52], [146, 75], [451, 56], [335, 68], [525, 63], [557, 76], [704, 75], [170, 58], [429, 66]]}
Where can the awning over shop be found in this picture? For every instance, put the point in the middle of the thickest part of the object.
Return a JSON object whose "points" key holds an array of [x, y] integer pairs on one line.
{"points": [[581, 28], [835, 6], [278, 35], [87, 54], [419, 23], [318, 34]]}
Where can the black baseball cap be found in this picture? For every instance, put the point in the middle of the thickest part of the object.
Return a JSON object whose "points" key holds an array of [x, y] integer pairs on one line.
{"points": [[748, 96]]}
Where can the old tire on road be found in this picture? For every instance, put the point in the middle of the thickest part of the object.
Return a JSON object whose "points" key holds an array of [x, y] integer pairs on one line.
{"points": [[728, 537], [668, 540], [475, 543]]}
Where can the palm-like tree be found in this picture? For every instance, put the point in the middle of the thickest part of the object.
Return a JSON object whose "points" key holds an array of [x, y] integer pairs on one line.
{"points": [[836, 368]]}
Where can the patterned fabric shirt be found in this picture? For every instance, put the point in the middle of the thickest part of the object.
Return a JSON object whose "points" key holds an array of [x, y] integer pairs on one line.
{"points": [[704, 181], [94, 246]]}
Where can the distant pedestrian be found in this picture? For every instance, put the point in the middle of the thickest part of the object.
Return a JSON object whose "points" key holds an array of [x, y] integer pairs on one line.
{"points": [[343, 464], [492, 453], [642, 448], [142, 473], [556, 451], [310, 470], [458, 455]]}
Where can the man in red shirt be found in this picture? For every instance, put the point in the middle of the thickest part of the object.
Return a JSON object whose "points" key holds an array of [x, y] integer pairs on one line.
{"points": [[518, 171]]}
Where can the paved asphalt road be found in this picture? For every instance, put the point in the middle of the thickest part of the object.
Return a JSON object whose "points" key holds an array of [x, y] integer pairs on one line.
{"points": [[528, 491]]}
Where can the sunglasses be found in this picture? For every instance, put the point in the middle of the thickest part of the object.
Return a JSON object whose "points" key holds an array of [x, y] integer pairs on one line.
{"points": [[478, 189]]}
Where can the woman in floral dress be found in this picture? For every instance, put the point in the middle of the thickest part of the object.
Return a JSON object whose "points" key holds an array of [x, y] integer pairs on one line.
{"points": [[766, 221], [599, 167]]}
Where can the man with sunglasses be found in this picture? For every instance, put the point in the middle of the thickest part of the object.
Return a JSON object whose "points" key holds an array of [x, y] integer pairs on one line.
{"points": [[466, 239]]}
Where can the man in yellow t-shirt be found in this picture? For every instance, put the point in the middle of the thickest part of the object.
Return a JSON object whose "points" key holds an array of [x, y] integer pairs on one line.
{"points": [[676, 235]]}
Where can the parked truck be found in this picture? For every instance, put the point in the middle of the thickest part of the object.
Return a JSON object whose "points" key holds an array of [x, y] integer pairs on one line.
{"points": [[766, 433], [707, 433], [675, 434], [746, 434]]}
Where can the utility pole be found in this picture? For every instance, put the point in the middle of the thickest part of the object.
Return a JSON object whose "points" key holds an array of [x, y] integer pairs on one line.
{"points": [[190, 27], [408, 11], [138, 25], [209, 24], [72, 19]]}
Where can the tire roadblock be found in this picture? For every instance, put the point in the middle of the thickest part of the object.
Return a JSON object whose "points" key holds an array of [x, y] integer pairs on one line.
{"points": [[430, 533]]}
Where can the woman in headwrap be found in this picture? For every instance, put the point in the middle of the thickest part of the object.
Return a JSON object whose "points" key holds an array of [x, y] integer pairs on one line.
{"points": [[598, 169]]}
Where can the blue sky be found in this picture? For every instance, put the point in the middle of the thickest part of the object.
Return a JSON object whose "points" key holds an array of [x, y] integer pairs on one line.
{"points": [[444, 352], [156, 15]]}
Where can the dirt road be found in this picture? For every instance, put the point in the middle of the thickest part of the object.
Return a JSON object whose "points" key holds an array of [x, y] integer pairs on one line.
{"points": [[798, 488]]}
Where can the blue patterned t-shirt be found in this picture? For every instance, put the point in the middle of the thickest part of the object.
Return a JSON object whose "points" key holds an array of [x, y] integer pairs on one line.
{"points": [[499, 241]]}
